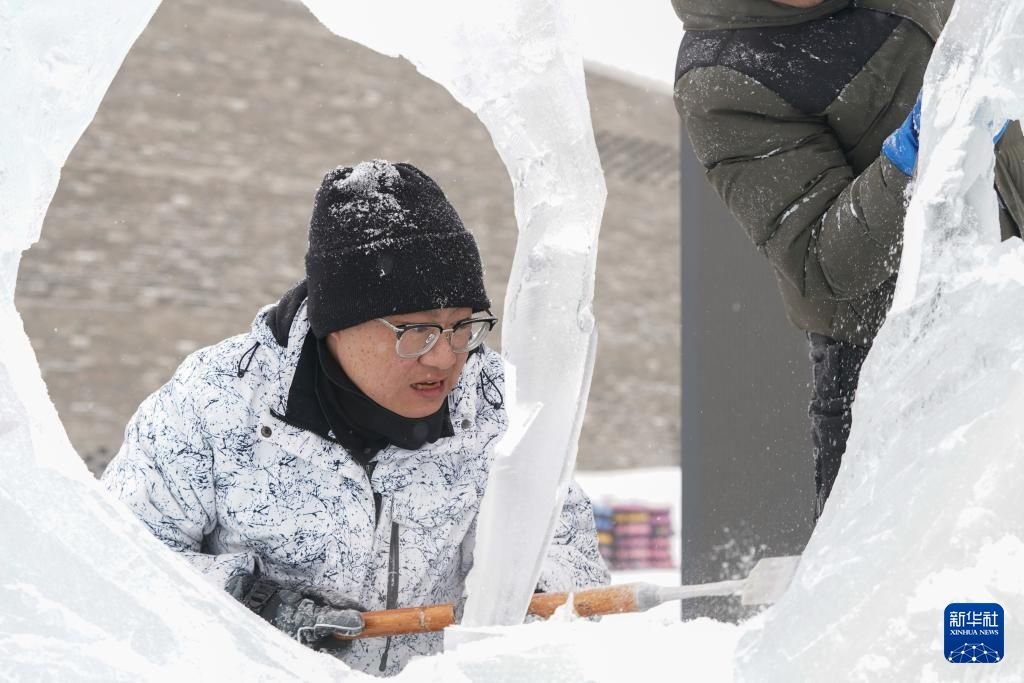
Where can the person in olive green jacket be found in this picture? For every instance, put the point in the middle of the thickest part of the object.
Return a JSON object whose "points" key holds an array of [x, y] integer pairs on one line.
{"points": [[788, 104]]}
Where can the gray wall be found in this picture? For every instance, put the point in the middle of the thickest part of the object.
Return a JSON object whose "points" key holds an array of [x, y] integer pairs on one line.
{"points": [[747, 469]]}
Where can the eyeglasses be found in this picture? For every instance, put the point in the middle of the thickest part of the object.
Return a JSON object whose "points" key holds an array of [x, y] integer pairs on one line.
{"points": [[412, 340]]}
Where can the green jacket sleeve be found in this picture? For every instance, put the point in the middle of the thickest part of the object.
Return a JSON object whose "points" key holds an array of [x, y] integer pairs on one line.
{"points": [[1010, 180], [832, 234]]}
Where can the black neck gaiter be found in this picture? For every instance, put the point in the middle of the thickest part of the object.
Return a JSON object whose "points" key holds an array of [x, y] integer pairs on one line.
{"points": [[363, 426]]}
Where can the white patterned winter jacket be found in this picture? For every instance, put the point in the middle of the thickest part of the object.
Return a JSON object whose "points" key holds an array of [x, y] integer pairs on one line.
{"points": [[209, 466]]}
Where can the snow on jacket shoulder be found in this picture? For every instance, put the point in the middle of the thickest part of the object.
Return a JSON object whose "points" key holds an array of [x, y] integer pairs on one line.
{"points": [[788, 123], [212, 469], [787, 109]]}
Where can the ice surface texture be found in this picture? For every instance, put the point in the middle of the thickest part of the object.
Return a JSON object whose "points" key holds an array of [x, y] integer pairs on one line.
{"points": [[926, 510], [86, 592]]}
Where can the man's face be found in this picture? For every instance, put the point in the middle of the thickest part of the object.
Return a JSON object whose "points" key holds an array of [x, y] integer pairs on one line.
{"points": [[802, 4], [411, 387]]}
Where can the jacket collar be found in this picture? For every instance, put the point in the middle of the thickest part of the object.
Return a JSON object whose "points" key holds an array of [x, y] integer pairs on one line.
{"points": [[283, 324], [930, 15], [286, 321], [280, 328], [704, 15]]}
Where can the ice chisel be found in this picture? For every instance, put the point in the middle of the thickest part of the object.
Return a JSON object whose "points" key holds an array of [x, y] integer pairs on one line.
{"points": [[765, 584]]}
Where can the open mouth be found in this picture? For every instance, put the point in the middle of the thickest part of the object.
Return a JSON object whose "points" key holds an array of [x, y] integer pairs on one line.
{"points": [[430, 388]]}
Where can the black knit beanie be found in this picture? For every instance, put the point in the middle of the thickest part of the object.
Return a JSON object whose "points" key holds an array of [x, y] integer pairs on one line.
{"points": [[384, 240]]}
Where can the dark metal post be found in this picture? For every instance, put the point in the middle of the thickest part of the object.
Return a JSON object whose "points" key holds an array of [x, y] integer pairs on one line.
{"points": [[747, 470]]}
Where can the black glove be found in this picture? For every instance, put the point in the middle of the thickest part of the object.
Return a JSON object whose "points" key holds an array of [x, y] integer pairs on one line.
{"points": [[306, 615]]}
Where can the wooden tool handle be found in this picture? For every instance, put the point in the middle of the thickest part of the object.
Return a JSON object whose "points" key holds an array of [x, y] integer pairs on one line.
{"points": [[588, 603], [396, 622]]}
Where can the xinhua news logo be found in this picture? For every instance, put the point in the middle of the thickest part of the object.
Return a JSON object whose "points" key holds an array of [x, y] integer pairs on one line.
{"points": [[974, 633]]}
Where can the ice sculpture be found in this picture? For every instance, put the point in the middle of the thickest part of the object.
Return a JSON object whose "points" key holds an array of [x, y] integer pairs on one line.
{"points": [[86, 593], [517, 65], [56, 63], [926, 510]]}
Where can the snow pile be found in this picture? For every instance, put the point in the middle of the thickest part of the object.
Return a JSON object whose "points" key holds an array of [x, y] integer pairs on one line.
{"points": [[926, 510], [631, 647]]}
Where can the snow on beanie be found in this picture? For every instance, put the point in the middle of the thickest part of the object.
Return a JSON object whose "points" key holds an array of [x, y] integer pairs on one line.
{"points": [[384, 240]]}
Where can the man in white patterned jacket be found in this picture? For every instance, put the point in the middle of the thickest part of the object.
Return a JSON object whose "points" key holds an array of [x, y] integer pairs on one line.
{"points": [[348, 433]]}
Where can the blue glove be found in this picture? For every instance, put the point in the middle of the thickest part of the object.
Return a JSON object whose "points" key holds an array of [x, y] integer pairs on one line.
{"points": [[1002, 131], [902, 145]]}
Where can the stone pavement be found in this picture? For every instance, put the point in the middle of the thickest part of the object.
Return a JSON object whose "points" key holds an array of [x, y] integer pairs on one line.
{"points": [[184, 207]]}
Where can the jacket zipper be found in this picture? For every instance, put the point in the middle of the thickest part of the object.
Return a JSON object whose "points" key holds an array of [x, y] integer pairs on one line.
{"points": [[391, 600], [368, 468]]}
